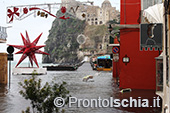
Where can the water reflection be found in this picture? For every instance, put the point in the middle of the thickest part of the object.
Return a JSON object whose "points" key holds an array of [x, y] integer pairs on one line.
{"points": [[103, 86]]}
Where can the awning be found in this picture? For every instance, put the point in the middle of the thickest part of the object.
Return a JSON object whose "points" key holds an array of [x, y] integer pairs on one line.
{"points": [[154, 13]]}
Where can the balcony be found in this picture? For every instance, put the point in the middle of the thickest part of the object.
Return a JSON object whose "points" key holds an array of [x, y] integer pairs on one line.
{"points": [[2, 40], [3, 34]]}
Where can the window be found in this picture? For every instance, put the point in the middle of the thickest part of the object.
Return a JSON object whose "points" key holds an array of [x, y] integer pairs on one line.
{"points": [[159, 73], [95, 18], [96, 23], [101, 22]]}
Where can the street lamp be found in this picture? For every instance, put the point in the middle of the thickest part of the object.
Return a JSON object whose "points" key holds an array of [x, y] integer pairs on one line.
{"points": [[126, 59]]}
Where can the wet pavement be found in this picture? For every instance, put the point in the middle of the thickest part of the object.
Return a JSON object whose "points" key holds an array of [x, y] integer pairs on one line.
{"points": [[103, 86]]}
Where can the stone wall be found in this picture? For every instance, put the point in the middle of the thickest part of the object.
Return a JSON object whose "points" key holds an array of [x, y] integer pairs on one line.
{"points": [[3, 68]]}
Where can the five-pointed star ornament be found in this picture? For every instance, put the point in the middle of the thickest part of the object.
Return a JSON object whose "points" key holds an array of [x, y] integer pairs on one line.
{"points": [[29, 49]]}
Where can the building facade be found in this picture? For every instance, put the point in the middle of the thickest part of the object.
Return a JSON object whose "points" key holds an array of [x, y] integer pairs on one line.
{"points": [[3, 58], [94, 15]]}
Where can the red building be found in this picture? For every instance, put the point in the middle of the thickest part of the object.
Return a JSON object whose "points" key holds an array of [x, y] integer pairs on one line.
{"points": [[140, 72]]}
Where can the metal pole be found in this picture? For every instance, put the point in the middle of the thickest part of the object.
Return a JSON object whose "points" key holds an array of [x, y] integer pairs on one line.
{"points": [[9, 73], [124, 11], [116, 75]]}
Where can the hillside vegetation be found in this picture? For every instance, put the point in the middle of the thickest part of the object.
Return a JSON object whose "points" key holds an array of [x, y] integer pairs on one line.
{"points": [[62, 42]]}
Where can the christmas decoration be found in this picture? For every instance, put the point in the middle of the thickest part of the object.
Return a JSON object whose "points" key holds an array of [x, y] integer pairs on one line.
{"points": [[22, 12], [29, 49], [11, 14], [63, 9]]}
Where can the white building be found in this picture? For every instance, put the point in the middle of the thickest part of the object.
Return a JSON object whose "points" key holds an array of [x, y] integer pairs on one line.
{"points": [[157, 14], [94, 15]]}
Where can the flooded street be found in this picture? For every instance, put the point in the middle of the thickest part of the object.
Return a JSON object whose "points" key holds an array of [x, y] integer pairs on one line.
{"points": [[103, 86]]}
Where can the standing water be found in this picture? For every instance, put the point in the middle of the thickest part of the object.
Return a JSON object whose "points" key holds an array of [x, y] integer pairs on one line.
{"points": [[103, 86]]}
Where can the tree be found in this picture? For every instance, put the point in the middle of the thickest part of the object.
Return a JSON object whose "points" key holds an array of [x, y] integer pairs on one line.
{"points": [[42, 97]]}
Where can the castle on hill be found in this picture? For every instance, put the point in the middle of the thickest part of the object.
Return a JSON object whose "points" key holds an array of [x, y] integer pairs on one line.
{"points": [[94, 15]]}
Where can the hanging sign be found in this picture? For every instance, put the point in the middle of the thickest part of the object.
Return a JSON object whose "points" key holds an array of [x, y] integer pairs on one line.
{"points": [[151, 36]]}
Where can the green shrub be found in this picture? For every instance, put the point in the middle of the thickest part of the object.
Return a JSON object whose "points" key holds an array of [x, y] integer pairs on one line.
{"points": [[42, 97]]}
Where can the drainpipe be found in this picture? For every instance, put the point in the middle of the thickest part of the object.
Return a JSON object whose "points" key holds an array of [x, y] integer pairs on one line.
{"points": [[124, 11], [166, 5], [166, 36]]}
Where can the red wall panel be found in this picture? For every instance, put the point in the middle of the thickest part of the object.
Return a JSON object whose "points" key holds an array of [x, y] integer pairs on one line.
{"points": [[140, 72], [130, 11]]}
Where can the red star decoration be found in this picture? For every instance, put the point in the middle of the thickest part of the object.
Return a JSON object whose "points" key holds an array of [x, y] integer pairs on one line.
{"points": [[29, 49]]}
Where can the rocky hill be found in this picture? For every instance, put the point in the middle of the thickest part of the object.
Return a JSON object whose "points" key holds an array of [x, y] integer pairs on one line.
{"points": [[62, 42]]}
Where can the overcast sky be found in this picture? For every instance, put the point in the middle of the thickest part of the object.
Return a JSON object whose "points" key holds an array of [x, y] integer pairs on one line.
{"points": [[34, 25]]}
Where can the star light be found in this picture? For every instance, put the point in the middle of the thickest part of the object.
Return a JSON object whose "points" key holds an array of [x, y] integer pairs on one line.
{"points": [[29, 49]]}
